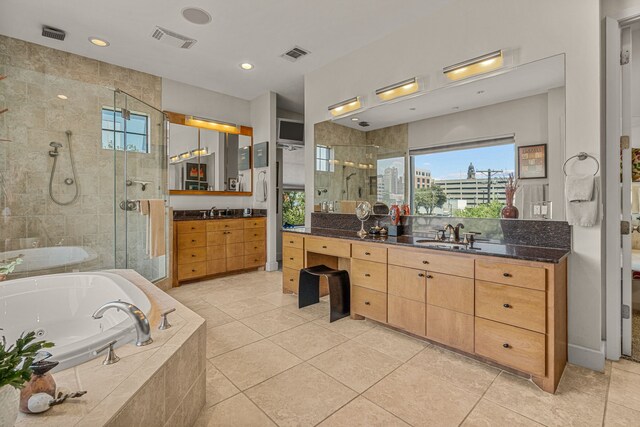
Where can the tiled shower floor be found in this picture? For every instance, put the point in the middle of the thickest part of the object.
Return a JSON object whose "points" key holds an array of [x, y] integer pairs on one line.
{"points": [[273, 364]]}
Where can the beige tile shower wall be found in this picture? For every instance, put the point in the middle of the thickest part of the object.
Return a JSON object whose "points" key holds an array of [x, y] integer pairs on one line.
{"points": [[36, 75]]}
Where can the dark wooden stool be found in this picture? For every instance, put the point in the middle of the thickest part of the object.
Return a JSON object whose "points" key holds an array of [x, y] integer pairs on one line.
{"points": [[339, 289]]}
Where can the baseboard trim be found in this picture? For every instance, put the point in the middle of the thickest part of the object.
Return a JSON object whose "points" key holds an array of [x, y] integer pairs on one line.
{"points": [[587, 357], [271, 266]]}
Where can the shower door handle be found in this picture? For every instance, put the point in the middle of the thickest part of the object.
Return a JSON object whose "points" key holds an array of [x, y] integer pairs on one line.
{"points": [[129, 205]]}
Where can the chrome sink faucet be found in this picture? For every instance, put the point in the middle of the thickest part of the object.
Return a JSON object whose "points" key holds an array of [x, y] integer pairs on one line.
{"points": [[139, 319]]}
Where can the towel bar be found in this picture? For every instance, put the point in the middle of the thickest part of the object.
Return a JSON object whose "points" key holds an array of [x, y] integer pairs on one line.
{"points": [[581, 156]]}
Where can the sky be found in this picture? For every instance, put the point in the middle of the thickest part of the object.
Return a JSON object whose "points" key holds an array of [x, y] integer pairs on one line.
{"points": [[454, 164]]}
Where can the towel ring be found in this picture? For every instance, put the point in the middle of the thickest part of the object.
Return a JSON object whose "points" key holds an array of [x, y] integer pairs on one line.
{"points": [[581, 156]]}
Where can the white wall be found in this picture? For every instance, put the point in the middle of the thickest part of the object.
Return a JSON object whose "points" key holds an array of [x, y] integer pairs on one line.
{"points": [[532, 30]]}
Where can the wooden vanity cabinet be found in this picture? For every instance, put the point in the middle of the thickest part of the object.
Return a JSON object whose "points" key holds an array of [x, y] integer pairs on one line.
{"points": [[210, 247], [510, 311]]}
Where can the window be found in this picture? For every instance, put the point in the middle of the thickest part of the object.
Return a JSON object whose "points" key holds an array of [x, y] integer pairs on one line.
{"points": [[292, 208], [465, 179], [324, 158], [391, 180], [113, 131]]}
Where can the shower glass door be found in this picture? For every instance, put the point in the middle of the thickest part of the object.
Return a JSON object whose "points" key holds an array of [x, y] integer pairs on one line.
{"points": [[141, 212]]}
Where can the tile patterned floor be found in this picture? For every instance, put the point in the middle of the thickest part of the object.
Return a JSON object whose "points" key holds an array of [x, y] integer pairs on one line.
{"points": [[273, 364]]}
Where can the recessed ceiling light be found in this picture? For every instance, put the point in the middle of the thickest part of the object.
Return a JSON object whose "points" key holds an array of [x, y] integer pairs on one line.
{"points": [[98, 42], [195, 15], [63, 96], [354, 119], [246, 66]]}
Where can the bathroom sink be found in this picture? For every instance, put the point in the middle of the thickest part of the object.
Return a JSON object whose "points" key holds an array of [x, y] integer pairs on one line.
{"points": [[441, 244]]}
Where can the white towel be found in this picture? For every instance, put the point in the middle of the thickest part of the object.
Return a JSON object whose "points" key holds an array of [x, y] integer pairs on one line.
{"points": [[526, 196], [585, 214], [579, 188]]}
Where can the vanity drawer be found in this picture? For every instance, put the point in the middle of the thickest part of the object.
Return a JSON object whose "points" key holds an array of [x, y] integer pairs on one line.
{"points": [[450, 292], [188, 255], [192, 270], [216, 252], [515, 306], [233, 236], [234, 250], [369, 252], [368, 303], [407, 314], [292, 241], [335, 247], [448, 264], [515, 347], [255, 260], [225, 224], [290, 280], [191, 227], [253, 234], [292, 258], [372, 275], [235, 263], [215, 238], [450, 328], [191, 240], [254, 248], [407, 283], [511, 274], [216, 266], [255, 223]]}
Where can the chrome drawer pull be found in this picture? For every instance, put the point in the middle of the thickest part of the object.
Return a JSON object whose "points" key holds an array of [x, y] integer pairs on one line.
{"points": [[507, 274], [506, 305], [291, 241], [367, 275], [324, 247], [367, 303], [425, 262], [429, 276], [367, 253], [420, 274], [291, 259], [506, 345]]}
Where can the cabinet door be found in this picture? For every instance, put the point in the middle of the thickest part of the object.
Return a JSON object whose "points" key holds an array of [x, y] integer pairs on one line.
{"points": [[450, 328], [407, 314], [450, 292], [369, 303], [407, 283]]}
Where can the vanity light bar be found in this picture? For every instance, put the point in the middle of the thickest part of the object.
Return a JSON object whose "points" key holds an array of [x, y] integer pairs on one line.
{"points": [[174, 159], [482, 64], [345, 107], [396, 90], [200, 152], [218, 125]]}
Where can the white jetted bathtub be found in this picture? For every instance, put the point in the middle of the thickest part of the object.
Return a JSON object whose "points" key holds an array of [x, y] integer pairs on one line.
{"points": [[59, 308], [47, 258]]}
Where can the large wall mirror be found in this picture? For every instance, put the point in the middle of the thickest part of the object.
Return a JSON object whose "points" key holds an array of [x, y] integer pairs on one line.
{"points": [[209, 157], [449, 152]]}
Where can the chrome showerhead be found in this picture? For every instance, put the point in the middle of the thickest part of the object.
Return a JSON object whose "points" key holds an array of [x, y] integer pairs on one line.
{"points": [[54, 152], [55, 144]]}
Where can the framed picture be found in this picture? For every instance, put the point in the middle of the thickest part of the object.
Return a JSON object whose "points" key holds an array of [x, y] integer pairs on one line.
{"points": [[261, 155], [233, 184], [532, 161], [196, 171]]}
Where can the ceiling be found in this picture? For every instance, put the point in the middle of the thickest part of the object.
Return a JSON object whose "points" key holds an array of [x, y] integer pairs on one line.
{"points": [[513, 83], [255, 31]]}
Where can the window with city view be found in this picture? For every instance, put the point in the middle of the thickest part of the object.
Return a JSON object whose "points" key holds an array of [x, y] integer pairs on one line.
{"points": [[390, 180], [465, 182]]}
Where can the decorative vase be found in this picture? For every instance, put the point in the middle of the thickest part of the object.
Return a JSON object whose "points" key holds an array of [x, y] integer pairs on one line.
{"points": [[3, 277], [9, 400], [509, 211]]}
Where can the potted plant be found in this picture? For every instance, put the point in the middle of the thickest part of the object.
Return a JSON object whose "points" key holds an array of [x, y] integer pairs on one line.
{"points": [[8, 265], [15, 371]]}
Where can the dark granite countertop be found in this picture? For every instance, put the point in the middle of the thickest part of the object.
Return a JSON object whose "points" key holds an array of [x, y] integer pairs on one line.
{"points": [[200, 218], [527, 253]]}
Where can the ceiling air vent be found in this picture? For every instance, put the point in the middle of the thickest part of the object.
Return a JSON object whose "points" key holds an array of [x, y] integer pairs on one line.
{"points": [[173, 39], [53, 33], [295, 53]]}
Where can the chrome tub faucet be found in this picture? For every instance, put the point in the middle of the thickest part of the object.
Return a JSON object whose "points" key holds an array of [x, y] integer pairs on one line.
{"points": [[140, 321]]}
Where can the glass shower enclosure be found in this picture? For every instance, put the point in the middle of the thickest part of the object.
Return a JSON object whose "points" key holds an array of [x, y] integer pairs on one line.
{"points": [[82, 176]]}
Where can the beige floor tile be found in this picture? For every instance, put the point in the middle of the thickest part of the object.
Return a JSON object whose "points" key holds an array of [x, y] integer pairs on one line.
{"points": [[308, 340], [219, 387], [237, 411], [310, 312], [279, 299], [627, 365], [488, 414], [348, 327], [230, 336], [228, 295], [568, 407], [624, 389], [301, 396], [272, 322], [252, 364], [355, 365], [462, 371], [586, 380], [362, 413], [213, 316], [392, 343], [422, 399], [619, 416], [247, 308]]}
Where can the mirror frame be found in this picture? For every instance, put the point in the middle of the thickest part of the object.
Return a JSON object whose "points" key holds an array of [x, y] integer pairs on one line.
{"points": [[181, 119]]}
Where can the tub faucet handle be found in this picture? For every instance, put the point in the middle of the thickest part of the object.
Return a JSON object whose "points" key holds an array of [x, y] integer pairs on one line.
{"points": [[164, 322], [111, 354]]}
